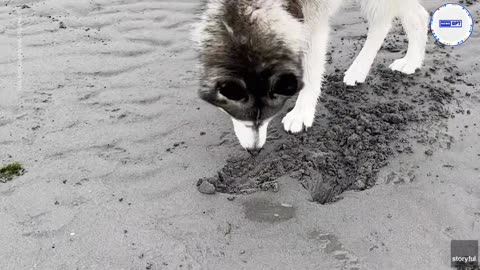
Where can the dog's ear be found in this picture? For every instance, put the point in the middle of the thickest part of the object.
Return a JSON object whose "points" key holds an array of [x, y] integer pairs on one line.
{"points": [[287, 84], [232, 90]]}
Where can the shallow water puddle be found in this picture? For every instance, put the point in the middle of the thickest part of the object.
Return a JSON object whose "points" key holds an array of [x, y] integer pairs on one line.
{"points": [[261, 210]]}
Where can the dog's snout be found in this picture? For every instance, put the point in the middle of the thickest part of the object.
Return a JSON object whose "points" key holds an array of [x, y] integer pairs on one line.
{"points": [[252, 137], [255, 151]]}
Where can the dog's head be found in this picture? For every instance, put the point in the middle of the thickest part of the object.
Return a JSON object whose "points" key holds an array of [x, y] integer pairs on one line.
{"points": [[250, 53]]}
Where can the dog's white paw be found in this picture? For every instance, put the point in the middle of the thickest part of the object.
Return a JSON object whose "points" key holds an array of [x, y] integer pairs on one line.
{"points": [[405, 66], [355, 74], [297, 119]]}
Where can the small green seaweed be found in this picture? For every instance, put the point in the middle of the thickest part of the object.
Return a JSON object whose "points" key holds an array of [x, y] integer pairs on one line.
{"points": [[9, 171]]}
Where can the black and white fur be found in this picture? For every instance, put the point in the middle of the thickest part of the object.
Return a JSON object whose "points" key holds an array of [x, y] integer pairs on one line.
{"points": [[255, 54]]}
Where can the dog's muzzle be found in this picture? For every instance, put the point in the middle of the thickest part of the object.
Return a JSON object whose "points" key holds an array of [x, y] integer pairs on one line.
{"points": [[252, 137]]}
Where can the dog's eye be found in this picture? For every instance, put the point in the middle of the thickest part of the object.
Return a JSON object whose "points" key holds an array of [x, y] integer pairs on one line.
{"points": [[286, 85], [232, 90]]}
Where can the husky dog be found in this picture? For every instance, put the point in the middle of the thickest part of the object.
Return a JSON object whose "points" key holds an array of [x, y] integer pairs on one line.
{"points": [[256, 54]]}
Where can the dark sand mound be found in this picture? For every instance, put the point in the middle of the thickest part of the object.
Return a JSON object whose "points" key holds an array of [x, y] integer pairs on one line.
{"points": [[356, 131]]}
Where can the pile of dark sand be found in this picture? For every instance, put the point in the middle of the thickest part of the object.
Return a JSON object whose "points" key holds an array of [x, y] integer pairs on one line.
{"points": [[356, 131]]}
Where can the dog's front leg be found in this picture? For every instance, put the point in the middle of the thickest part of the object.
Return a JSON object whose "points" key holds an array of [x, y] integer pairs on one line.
{"points": [[303, 114]]}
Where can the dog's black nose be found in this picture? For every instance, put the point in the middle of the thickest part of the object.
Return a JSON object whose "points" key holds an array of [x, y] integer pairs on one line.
{"points": [[254, 152]]}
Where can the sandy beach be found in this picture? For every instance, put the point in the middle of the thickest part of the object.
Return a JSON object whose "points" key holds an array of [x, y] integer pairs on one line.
{"points": [[98, 102]]}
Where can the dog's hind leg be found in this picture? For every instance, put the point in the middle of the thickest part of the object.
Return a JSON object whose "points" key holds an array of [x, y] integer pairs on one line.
{"points": [[380, 14], [415, 21]]}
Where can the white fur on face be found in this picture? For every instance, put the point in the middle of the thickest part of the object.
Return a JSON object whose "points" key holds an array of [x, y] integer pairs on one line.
{"points": [[251, 137]]}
